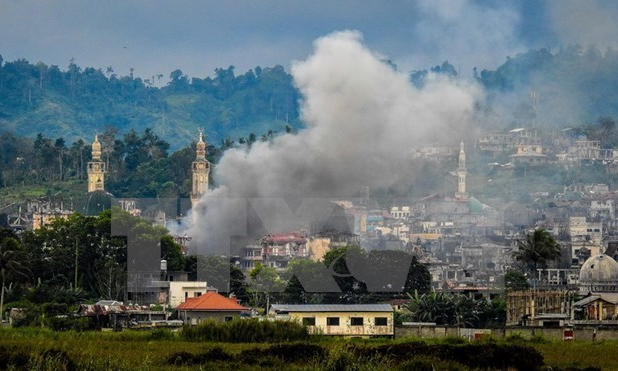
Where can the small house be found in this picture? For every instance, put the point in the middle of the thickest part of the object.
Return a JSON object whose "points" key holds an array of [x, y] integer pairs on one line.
{"points": [[210, 305], [348, 320]]}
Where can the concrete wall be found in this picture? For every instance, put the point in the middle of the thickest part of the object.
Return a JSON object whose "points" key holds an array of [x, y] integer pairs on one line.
{"points": [[181, 289], [580, 333], [195, 317]]}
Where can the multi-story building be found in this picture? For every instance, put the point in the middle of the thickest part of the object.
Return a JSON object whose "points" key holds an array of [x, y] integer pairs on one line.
{"points": [[279, 248]]}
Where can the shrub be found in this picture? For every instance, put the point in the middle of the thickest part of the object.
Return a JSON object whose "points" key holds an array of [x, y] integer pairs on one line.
{"points": [[454, 340], [516, 338], [285, 352], [55, 309], [339, 359], [215, 354], [475, 355], [245, 331], [430, 364], [51, 359], [13, 358], [180, 359], [161, 334], [538, 339], [190, 359], [69, 323]]}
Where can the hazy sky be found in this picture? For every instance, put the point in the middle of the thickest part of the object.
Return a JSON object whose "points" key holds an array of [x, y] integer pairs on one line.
{"points": [[197, 36]]}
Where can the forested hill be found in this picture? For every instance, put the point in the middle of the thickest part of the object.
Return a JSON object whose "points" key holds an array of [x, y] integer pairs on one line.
{"points": [[75, 102], [573, 86]]}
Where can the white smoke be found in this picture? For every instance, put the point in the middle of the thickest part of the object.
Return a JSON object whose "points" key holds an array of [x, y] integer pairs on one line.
{"points": [[362, 118], [465, 32]]}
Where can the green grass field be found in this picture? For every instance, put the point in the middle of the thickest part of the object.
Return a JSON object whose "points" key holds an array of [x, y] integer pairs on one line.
{"points": [[40, 349]]}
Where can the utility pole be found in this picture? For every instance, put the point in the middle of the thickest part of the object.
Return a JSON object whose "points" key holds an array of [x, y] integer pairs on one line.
{"points": [[76, 262]]}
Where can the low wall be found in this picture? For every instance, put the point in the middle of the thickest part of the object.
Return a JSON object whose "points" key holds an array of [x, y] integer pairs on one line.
{"points": [[579, 333]]}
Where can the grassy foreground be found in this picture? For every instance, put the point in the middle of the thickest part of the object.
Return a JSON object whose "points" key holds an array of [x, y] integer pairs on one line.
{"points": [[40, 349]]}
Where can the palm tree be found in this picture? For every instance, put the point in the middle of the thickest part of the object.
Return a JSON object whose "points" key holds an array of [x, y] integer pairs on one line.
{"points": [[10, 263], [537, 249], [443, 308]]}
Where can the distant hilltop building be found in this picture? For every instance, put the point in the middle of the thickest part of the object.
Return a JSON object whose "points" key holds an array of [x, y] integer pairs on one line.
{"points": [[201, 170], [96, 168]]}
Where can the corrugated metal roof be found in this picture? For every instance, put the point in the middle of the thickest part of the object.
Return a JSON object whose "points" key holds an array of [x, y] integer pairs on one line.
{"points": [[590, 299], [332, 308]]}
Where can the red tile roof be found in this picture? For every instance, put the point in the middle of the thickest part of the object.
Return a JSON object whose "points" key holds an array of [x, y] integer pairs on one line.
{"points": [[212, 301]]}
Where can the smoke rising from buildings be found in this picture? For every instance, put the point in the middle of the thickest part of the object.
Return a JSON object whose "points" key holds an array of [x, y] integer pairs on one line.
{"points": [[361, 117]]}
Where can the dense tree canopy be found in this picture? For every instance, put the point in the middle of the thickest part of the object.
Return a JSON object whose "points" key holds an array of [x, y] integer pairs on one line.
{"points": [[76, 102], [82, 253]]}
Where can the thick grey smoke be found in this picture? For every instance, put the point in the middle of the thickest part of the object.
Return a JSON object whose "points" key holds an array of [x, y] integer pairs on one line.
{"points": [[362, 118], [467, 33]]}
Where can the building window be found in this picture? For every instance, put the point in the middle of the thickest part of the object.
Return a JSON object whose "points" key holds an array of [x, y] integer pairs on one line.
{"points": [[332, 321], [197, 294], [381, 321], [308, 321], [356, 321], [228, 318]]}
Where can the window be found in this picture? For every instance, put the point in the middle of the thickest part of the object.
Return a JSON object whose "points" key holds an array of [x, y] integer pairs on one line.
{"points": [[308, 321], [381, 321], [228, 318], [197, 294], [356, 321], [332, 321]]}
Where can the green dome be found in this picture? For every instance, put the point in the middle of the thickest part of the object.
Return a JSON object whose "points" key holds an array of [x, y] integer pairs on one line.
{"points": [[475, 206]]}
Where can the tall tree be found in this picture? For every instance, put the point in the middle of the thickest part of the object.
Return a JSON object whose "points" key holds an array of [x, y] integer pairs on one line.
{"points": [[263, 282], [11, 263]]}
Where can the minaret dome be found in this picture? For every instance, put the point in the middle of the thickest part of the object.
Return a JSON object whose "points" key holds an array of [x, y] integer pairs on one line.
{"points": [[201, 147], [96, 149]]}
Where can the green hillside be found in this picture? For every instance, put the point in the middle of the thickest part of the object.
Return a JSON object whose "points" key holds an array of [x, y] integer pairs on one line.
{"points": [[77, 102], [572, 86]]}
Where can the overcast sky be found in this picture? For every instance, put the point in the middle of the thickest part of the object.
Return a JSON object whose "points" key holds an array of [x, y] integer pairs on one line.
{"points": [[197, 36]]}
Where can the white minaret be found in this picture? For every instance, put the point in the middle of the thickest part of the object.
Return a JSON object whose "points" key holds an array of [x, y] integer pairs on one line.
{"points": [[201, 170], [461, 172]]}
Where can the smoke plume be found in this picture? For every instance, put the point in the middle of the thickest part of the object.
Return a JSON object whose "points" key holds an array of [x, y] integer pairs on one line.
{"points": [[362, 118]]}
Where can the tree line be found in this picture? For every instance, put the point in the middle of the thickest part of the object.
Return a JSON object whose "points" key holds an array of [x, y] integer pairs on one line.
{"points": [[76, 259], [138, 164]]}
